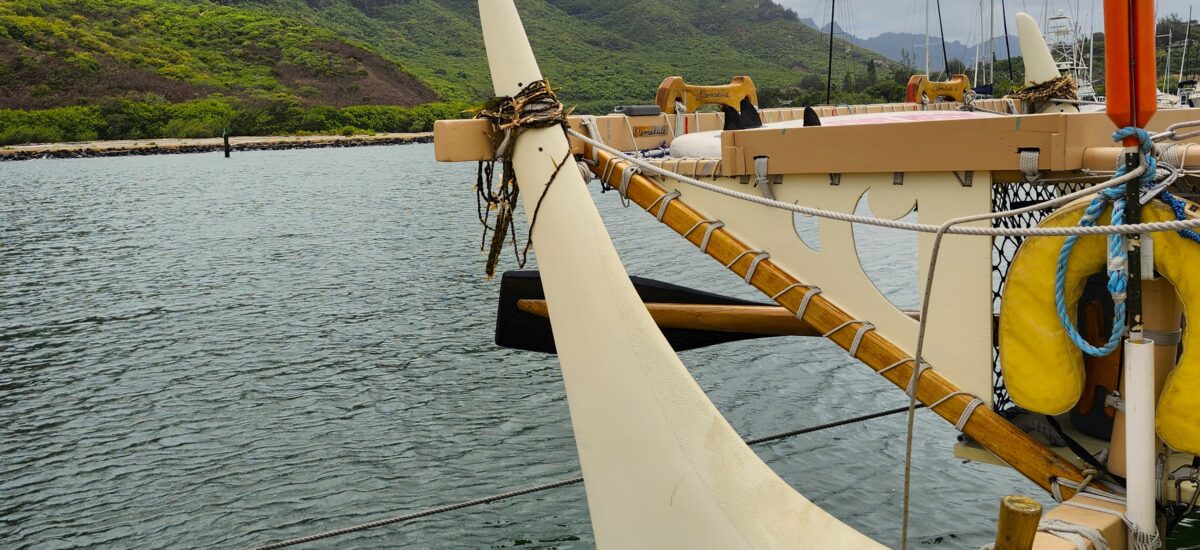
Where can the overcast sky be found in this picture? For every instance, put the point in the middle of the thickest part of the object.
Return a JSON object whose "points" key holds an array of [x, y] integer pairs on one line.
{"points": [[867, 18]]}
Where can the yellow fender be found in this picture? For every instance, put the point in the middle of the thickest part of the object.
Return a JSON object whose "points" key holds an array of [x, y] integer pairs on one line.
{"points": [[1043, 369]]}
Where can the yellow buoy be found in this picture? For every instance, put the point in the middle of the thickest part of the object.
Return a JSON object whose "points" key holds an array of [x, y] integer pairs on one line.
{"points": [[1043, 369]]}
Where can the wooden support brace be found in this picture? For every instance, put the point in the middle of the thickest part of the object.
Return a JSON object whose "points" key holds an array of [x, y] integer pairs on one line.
{"points": [[995, 433]]}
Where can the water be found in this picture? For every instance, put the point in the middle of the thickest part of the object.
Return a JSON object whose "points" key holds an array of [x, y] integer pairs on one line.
{"points": [[201, 352]]}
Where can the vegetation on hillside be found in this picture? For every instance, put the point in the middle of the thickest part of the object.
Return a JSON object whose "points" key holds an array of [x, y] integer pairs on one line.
{"points": [[197, 67], [61, 52], [148, 118]]}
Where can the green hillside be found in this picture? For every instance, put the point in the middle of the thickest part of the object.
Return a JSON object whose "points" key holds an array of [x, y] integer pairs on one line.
{"points": [[82, 69], [600, 52]]}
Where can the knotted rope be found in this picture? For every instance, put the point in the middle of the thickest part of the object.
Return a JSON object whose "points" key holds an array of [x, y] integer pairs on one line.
{"points": [[1118, 256], [1037, 95], [536, 106], [1118, 273]]}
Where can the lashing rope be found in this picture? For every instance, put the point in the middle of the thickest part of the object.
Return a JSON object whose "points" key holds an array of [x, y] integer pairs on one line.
{"points": [[535, 106]]}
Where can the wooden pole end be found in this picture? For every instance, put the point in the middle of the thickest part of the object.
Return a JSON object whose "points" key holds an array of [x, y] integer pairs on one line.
{"points": [[1019, 518]]}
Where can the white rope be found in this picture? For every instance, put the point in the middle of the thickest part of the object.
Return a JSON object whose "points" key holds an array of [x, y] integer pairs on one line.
{"points": [[1077, 534], [708, 234], [589, 123], [1091, 491], [808, 296], [585, 171], [894, 365], [761, 178], [968, 410], [760, 255], [1154, 227], [858, 336], [1138, 539], [697, 225], [665, 199], [787, 288], [623, 189], [754, 264], [911, 390]]}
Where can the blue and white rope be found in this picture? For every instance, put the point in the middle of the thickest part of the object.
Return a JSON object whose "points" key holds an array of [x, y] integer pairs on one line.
{"points": [[1118, 257]]}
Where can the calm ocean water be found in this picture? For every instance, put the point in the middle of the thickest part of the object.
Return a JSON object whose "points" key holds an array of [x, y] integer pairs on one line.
{"points": [[201, 352]]}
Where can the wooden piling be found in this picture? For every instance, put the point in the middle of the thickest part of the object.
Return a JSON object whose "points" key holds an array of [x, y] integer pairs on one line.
{"points": [[225, 137], [1019, 518]]}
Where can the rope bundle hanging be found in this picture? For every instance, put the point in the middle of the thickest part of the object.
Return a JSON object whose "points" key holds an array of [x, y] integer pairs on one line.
{"points": [[536, 106]]}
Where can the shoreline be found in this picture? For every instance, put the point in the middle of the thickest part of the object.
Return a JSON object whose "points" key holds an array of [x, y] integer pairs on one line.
{"points": [[174, 146]]}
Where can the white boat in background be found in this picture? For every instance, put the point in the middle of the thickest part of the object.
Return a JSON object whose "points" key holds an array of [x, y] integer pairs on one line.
{"points": [[994, 187]]}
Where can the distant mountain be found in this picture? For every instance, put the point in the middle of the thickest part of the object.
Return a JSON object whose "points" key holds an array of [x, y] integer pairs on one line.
{"points": [[893, 45]]}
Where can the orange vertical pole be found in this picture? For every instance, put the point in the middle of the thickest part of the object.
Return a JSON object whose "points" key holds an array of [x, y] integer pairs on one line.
{"points": [[1129, 64], [1118, 63]]}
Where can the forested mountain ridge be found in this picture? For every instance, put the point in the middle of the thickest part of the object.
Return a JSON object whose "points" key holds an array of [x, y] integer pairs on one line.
{"points": [[266, 64], [344, 52]]}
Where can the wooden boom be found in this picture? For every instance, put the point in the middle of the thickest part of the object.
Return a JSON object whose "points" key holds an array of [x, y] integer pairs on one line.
{"points": [[767, 320], [995, 433]]}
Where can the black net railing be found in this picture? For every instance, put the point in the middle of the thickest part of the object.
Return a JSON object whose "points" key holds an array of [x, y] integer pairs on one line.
{"points": [[1008, 196]]}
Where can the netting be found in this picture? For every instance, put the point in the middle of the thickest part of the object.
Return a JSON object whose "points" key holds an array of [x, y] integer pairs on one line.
{"points": [[1008, 196]]}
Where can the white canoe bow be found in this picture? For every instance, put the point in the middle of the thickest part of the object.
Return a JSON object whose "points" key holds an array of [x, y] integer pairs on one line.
{"points": [[661, 465]]}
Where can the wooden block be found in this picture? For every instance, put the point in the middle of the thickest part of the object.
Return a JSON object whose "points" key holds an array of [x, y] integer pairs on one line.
{"points": [[462, 140], [1110, 525]]}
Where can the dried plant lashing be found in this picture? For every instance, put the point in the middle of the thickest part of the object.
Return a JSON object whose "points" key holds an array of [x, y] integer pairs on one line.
{"points": [[536, 106], [1037, 95]]}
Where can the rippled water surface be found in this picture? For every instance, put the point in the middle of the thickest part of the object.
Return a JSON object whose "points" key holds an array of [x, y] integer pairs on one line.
{"points": [[201, 352]]}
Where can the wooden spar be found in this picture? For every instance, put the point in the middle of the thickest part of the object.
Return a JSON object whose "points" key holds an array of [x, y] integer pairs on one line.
{"points": [[766, 320], [996, 434], [1019, 517]]}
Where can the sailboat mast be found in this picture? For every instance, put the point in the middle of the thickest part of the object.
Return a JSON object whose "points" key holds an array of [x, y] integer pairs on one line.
{"points": [[1092, 40], [829, 68], [979, 41], [926, 38], [1007, 48], [1186, 34], [942, 31], [1167, 71]]}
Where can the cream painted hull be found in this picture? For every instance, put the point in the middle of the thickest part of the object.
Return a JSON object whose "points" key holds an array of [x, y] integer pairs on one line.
{"points": [[662, 467]]}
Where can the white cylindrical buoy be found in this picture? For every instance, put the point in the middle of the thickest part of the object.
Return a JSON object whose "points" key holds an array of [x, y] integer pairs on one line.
{"points": [[1140, 445]]}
